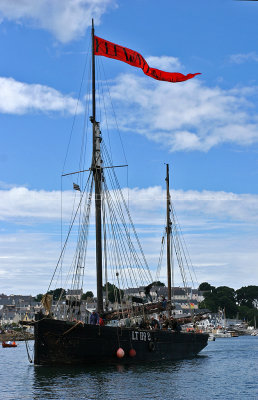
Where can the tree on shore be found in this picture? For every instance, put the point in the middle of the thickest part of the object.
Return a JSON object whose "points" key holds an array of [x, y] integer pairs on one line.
{"points": [[205, 286], [87, 295], [113, 293], [249, 315], [222, 297], [242, 302], [55, 293], [38, 298], [158, 283], [247, 296]]}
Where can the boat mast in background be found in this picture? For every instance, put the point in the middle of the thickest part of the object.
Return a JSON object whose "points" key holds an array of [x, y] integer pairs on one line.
{"points": [[168, 231], [96, 167]]}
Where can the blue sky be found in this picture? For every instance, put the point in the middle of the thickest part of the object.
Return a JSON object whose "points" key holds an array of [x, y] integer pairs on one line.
{"points": [[205, 128]]}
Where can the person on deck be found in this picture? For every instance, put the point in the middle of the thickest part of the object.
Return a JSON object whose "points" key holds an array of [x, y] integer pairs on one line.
{"points": [[94, 318], [164, 303], [154, 323], [175, 325], [127, 321], [160, 321], [165, 322]]}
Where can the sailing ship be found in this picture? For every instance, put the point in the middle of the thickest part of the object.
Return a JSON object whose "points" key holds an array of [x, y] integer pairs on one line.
{"points": [[69, 340]]}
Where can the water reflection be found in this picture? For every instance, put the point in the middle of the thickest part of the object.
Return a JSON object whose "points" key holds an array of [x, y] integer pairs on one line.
{"points": [[104, 382], [224, 370]]}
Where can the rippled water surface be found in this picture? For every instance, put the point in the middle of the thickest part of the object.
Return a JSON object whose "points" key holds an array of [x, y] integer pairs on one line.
{"points": [[226, 369]]}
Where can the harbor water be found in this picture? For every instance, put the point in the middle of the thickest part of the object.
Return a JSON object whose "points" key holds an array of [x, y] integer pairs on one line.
{"points": [[225, 369]]}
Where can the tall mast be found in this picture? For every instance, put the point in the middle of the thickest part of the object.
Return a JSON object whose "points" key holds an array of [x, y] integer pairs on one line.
{"points": [[168, 231], [96, 167]]}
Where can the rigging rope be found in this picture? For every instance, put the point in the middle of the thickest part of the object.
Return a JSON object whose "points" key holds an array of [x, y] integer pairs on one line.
{"points": [[118, 192], [123, 253], [68, 235], [160, 257]]}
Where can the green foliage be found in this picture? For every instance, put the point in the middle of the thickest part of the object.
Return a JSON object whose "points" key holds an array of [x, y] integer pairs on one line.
{"points": [[38, 298], [87, 295], [221, 297], [113, 293], [248, 314], [224, 297], [158, 283], [247, 296], [243, 312], [206, 286], [57, 293]]}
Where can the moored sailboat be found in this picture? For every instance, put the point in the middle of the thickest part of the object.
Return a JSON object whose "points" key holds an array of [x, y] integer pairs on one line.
{"points": [[72, 341]]}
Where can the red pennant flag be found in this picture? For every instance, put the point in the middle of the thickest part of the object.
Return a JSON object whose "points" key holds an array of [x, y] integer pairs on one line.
{"points": [[108, 49]]}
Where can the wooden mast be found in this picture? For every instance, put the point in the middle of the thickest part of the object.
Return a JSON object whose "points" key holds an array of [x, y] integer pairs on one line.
{"points": [[168, 231], [97, 173]]}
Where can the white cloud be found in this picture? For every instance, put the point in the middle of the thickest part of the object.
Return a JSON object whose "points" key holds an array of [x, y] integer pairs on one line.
{"points": [[242, 58], [21, 204], [185, 116], [220, 230], [20, 98], [65, 19], [164, 62]]}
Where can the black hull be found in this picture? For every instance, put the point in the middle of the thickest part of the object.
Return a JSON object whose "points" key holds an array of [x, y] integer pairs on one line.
{"points": [[60, 342]]}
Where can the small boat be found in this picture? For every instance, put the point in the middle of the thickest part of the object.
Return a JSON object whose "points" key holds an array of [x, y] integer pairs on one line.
{"points": [[221, 333], [9, 344], [233, 333]]}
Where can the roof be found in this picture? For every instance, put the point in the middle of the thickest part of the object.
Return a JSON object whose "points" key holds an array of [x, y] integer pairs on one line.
{"points": [[177, 306], [74, 292], [131, 290]]}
